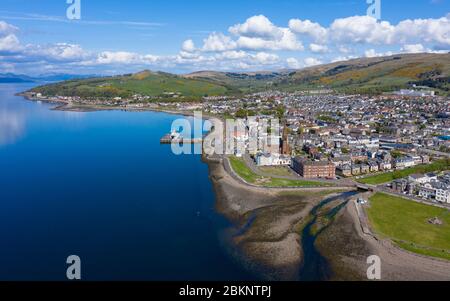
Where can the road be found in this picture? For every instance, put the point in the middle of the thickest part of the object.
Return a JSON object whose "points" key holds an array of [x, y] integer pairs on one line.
{"points": [[252, 165]]}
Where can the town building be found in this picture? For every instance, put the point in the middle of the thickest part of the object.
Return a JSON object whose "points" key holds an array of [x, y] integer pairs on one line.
{"points": [[314, 169]]}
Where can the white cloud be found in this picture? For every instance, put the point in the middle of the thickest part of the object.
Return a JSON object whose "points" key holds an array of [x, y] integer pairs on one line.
{"points": [[7, 29], [9, 43], [424, 30], [254, 44], [413, 48], [293, 63], [119, 57], [314, 30], [8, 40], [370, 53], [365, 29], [256, 26], [232, 55], [316, 48], [311, 61], [266, 58], [259, 33], [59, 51], [218, 42], [361, 29], [287, 41], [188, 46], [373, 53]]}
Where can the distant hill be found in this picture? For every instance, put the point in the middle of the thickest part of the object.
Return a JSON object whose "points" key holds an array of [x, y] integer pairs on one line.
{"points": [[148, 83], [376, 75], [364, 75], [20, 78]]}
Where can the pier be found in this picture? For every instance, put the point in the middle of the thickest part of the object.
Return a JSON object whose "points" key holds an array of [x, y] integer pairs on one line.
{"points": [[171, 139]]}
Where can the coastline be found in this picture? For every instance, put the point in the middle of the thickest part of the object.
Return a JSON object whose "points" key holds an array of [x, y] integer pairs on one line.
{"points": [[266, 236]]}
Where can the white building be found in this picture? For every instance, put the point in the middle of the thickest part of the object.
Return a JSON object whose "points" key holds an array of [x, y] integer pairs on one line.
{"points": [[273, 160], [404, 162], [443, 195]]}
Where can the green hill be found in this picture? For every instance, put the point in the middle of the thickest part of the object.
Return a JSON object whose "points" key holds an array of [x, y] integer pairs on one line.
{"points": [[376, 75], [364, 75], [147, 83]]}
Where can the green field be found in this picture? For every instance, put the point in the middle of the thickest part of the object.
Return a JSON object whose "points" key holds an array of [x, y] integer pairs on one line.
{"points": [[436, 166], [276, 171], [406, 223], [245, 173]]}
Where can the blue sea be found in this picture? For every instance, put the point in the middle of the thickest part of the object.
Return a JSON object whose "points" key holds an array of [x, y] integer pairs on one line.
{"points": [[100, 186]]}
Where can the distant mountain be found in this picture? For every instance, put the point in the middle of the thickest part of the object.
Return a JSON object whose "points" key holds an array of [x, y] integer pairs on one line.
{"points": [[14, 78], [20, 78], [364, 75]]}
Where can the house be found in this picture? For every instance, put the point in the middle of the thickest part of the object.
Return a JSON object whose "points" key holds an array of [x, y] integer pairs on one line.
{"points": [[384, 165], [443, 195], [425, 159], [400, 185], [264, 160], [344, 170], [404, 162], [427, 191], [373, 165], [365, 168], [419, 178], [356, 169]]}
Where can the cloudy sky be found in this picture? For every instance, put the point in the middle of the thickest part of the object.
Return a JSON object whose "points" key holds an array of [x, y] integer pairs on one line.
{"points": [[181, 36]]}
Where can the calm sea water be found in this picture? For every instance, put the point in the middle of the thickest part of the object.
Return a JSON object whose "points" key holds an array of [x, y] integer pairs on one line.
{"points": [[99, 185]]}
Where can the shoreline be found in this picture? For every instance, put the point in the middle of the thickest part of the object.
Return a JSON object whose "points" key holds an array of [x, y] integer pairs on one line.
{"points": [[267, 223], [276, 253]]}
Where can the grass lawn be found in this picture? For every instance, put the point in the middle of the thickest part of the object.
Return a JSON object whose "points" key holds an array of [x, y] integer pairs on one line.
{"points": [[437, 166], [406, 223], [276, 170], [244, 172]]}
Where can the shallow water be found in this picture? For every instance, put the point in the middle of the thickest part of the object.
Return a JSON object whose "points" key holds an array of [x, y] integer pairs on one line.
{"points": [[315, 267]]}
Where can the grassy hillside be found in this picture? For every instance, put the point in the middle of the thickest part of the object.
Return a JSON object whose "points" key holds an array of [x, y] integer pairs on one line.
{"points": [[243, 82], [376, 75], [365, 75], [145, 83]]}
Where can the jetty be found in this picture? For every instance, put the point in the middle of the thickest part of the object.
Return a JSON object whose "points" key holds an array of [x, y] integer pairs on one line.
{"points": [[175, 138]]}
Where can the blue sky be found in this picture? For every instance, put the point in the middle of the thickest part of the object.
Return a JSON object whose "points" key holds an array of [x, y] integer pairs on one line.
{"points": [[121, 36]]}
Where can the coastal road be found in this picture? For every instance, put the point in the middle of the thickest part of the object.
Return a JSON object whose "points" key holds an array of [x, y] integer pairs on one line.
{"points": [[254, 168]]}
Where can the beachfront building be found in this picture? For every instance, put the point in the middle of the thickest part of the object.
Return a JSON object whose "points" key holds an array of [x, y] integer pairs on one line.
{"points": [[313, 169]]}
